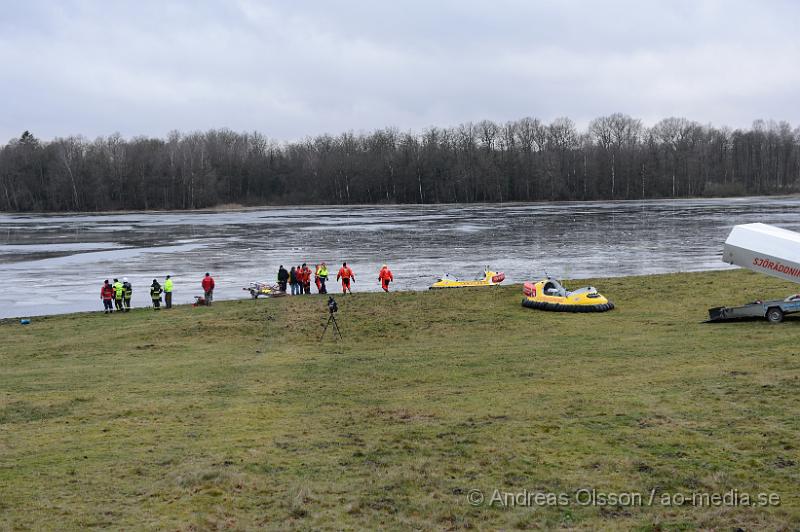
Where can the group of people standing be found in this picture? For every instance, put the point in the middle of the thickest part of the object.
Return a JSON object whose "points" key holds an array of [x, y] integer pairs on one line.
{"points": [[117, 295], [156, 290], [298, 278]]}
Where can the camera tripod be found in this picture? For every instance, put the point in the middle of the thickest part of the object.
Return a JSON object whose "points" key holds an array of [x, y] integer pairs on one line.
{"points": [[331, 319]]}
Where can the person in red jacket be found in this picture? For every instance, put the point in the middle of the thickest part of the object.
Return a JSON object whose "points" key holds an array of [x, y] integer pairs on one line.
{"points": [[306, 274], [107, 295], [208, 288], [346, 275], [385, 277], [301, 280]]}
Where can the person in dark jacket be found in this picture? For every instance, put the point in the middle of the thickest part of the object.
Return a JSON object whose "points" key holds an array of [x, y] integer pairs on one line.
{"points": [[127, 294], [283, 277], [293, 280], [155, 294]]}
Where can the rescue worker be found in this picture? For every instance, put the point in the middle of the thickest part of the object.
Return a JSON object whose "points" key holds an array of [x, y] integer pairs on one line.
{"points": [[155, 294], [168, 292], [322, 278], [346, 275], [316, 278], [283, 277], [208, 288], [127, 293], [306, 274], [107, 295], [298, 272], [293, 280], [385, 277], [119, 292]]}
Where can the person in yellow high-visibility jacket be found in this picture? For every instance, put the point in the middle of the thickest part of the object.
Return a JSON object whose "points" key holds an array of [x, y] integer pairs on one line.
{"points": [[168, 292], [119, 294], [322, 278]]}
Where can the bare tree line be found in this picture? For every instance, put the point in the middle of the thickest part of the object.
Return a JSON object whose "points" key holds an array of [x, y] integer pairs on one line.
{"points": [[617, 157]]}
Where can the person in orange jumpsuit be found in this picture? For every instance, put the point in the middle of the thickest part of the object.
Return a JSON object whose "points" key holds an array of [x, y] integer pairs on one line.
{"points": [[346, 275], [385, 277], [306, 273]]}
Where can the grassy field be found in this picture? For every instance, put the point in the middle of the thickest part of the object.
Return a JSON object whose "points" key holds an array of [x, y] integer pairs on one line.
{"points": [[237, 417]]}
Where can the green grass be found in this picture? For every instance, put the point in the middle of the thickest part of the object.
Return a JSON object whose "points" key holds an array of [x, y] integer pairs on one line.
{"points": [[236, 417]]}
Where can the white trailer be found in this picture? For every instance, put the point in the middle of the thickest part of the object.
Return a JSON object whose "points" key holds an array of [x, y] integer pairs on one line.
{"points": [[765, 249]]}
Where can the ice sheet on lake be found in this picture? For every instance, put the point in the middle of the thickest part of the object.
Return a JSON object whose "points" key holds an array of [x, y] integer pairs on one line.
{"points": [[420, 243]]}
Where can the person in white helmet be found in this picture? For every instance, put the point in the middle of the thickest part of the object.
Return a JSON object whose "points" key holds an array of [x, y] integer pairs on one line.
{"points": [[127, 293]]}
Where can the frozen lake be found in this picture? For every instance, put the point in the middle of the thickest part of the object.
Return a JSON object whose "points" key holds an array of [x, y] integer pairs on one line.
{"points": [[53, 264]]}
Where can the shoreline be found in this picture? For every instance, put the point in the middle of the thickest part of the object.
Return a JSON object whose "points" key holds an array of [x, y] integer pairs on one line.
{"points": [[225, 208], [571, 282]]}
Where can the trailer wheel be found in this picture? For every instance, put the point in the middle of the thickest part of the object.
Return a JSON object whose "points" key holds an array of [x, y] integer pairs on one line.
{"points": [[774, 315]]}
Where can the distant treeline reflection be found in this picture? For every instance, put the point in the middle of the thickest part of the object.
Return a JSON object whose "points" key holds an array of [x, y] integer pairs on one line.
{"points": [[526, 160]]}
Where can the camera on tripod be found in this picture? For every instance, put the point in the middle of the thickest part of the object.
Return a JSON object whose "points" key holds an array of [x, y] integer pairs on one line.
{"points": [[333, 308]]}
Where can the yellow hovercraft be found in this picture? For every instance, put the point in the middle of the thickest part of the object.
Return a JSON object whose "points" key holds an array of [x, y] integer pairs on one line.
{"points": [[490, 278], [549, 294]]}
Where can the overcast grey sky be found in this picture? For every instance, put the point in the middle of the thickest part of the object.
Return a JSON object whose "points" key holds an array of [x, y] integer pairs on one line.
{"points": [[296, 68]]}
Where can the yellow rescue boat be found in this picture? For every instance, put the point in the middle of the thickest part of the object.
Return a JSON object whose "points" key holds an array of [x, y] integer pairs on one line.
{"points": [[549, 294], [260, 288], [489, 278]]}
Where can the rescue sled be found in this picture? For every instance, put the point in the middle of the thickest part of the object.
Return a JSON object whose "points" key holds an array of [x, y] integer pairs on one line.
{"points": [[549, 294], [489, 278], [765, 249], [262, 289]]}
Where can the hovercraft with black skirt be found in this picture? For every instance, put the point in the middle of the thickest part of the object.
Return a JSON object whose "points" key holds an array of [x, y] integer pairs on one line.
{"points": [[549, 294]]}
